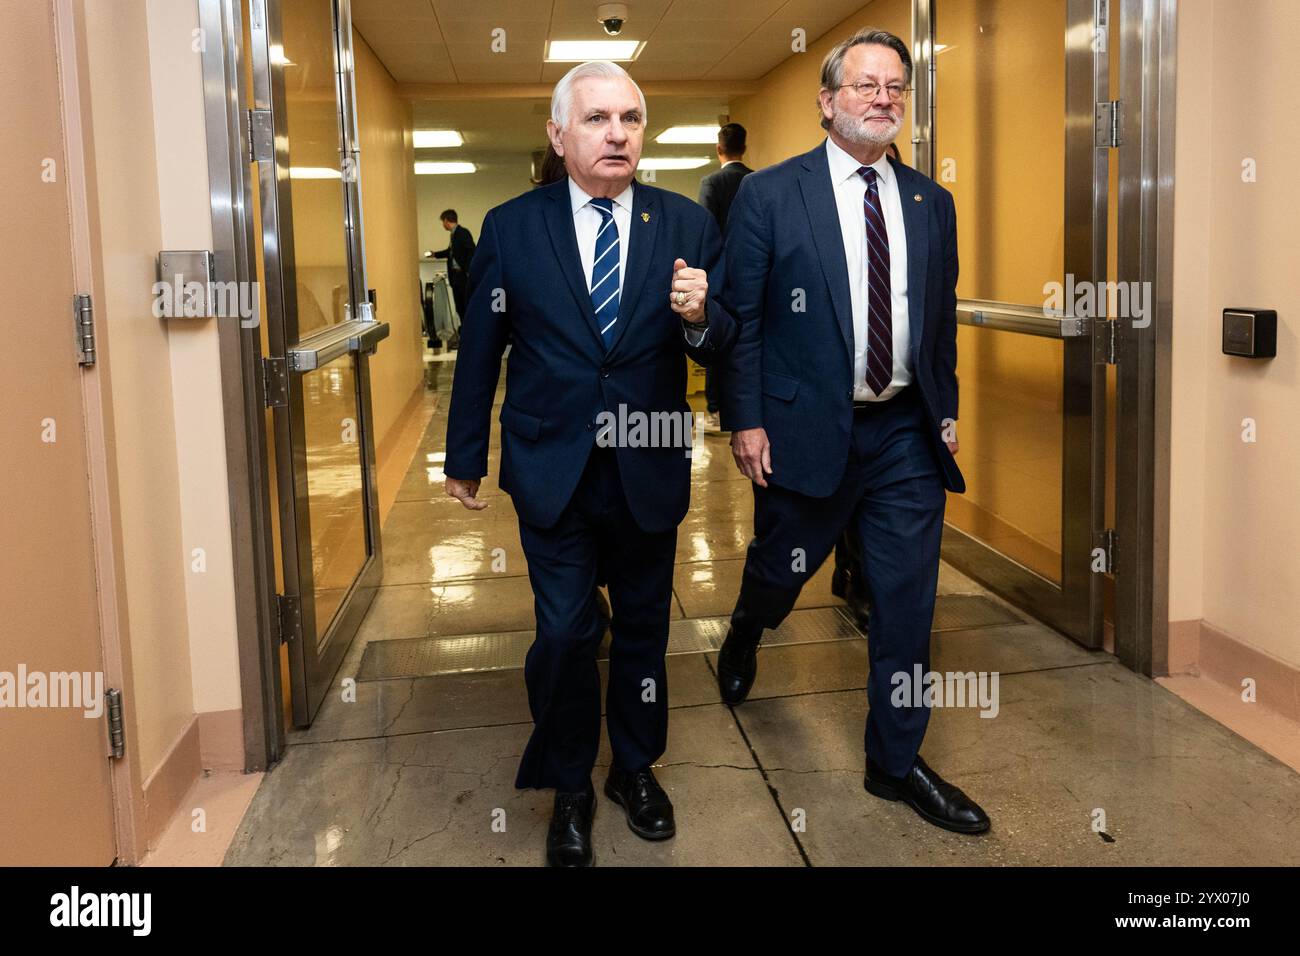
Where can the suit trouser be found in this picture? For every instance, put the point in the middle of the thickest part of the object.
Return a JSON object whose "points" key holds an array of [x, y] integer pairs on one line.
{"points": [[596, 533], [892, 498]]}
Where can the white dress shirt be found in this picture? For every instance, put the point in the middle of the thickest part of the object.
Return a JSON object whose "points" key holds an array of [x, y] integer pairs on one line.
{"points": [[586, 223], [850, 191]]}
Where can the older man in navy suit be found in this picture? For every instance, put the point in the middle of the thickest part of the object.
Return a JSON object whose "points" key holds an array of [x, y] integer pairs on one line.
{"points": [[841, 394], [603, 284]]}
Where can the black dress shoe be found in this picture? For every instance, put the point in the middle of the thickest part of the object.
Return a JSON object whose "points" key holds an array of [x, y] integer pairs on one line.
{"points": [[840, 582], [859, 605], [648, 809], [737, 665], [846, 583], [568, 841], [930, 795]]}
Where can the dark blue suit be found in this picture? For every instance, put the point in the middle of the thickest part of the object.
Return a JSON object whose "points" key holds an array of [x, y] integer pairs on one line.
{"points": [[880, 469], [612, 511]]}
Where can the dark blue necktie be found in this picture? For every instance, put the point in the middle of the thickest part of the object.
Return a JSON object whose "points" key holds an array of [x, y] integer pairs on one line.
{"points": [[604, 271], [880, 323]]}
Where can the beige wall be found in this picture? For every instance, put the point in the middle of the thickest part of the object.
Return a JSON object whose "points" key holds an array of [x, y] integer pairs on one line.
{"points": [[388, 199], [1234, 515], [154, 540], [181, 150]]}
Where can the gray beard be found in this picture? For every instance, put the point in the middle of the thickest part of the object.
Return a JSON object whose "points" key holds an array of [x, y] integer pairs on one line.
{"points": [[856, 131]]}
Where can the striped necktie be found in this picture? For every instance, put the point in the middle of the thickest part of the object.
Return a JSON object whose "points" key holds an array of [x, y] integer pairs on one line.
{"points": [[880, 323], [604, 271]]}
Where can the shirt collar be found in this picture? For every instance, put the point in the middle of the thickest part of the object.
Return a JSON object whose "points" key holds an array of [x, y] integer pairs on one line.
{"points": [[843, 165], [578, 198]]}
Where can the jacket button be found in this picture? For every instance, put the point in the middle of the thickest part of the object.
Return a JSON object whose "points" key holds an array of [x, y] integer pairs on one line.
{"points": [[604, 373]]}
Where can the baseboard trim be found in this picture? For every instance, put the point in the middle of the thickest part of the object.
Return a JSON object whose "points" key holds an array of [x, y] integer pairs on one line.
{"points": [[171, 780], [1200, 649], [221, 739]]}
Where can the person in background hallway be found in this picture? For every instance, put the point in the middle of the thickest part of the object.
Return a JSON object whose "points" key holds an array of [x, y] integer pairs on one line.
{"points": [[843, 407], [847, 581], [605, 283], [459, 255], [717, 190]]}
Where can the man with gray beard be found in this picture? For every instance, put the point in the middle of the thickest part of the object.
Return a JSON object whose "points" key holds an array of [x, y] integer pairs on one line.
{"points": [[841, 396]]}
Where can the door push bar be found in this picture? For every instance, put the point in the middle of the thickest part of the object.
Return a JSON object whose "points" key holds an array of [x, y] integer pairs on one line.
{"points": [[1025, 319]]}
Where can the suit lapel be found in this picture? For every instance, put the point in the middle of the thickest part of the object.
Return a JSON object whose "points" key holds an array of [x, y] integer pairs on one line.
{"points": [[824, 219], [916, 217], [559, 223], [642, 231]]}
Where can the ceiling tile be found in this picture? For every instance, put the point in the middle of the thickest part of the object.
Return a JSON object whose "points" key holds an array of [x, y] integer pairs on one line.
{"points": [[500, 13], [399, 32], [392, 10]]}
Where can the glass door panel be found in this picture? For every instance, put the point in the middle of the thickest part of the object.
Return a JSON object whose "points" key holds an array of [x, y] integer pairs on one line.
{"points": [[336, 489], [1015, 87], [319, 332]]}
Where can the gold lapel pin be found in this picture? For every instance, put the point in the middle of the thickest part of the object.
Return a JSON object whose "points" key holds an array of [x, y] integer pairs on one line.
{"points": [[645, 217], [917, 197]]}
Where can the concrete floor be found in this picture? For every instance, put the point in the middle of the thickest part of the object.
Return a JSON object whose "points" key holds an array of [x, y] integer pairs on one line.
{"points": [[420, 770]]}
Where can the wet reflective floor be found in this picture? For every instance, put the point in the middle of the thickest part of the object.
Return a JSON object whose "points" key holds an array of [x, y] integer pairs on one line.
{"points": [[1081, 762]]}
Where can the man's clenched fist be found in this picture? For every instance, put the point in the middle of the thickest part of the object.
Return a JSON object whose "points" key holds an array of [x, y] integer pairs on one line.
{"points": [[689, 291]]}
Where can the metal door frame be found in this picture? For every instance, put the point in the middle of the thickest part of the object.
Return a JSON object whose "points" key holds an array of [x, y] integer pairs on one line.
{"points": [[312, 664], [230, 126], [1073, 607], [225, 108], [1147, 48], [1138, 545]]}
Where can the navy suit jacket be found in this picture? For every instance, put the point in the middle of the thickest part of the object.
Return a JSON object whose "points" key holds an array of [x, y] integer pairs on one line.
{"points": [[718, 191], [791, 371], [526, 282]]}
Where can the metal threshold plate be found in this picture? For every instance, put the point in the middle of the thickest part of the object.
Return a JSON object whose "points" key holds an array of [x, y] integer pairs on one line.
{"points": [[958, 612], [506, 650], [503, 650]]}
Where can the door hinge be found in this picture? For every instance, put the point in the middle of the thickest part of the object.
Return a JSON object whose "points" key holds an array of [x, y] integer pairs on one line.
{"points": [[261, 136], [1103, 548], [275, 382], [288, 617], [1109, 124], [1106, 342], [83, 318], [116, 735]]}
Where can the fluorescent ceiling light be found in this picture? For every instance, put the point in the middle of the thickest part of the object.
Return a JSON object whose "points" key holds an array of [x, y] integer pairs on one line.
{"points": [[443, 169], [689, 134], [435, 138], [674, 162], [579, 51], [313, 172]]}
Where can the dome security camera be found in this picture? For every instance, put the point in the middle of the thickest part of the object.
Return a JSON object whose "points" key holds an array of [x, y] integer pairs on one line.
{"points": [[612, 16]]}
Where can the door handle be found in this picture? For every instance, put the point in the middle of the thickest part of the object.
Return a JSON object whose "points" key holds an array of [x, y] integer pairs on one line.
{"points": [[322, 347]]}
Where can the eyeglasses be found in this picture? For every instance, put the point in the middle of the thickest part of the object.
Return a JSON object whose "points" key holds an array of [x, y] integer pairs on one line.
{"points": [[868, 90]]}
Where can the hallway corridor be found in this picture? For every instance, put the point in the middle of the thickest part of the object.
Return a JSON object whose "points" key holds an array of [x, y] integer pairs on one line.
{"points": [[419, 770]]}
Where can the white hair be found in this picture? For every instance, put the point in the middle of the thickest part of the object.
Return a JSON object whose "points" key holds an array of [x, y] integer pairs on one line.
{"points": [[562, 98]]}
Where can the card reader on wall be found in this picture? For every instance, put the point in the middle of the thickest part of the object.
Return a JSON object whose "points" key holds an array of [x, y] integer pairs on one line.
{"points": [[1250, 332]]}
